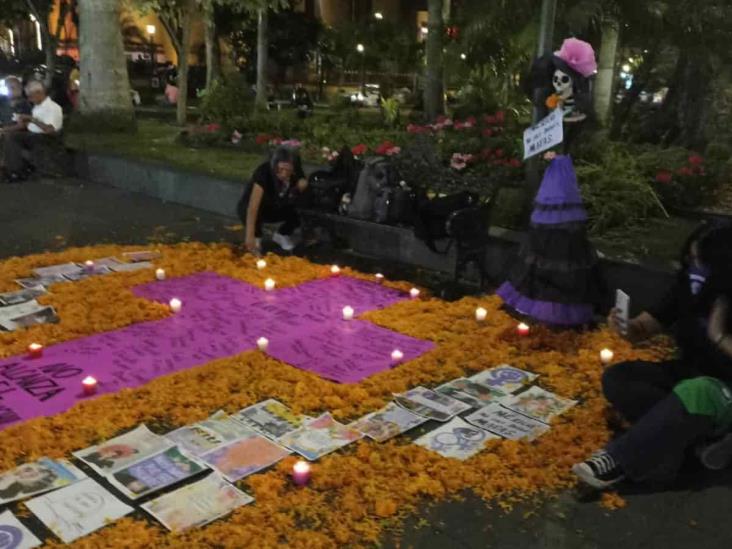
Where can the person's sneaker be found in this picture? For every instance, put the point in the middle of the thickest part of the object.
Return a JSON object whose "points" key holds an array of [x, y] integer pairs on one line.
{"points": [[600, 471], [284, 242], [718, 454]]}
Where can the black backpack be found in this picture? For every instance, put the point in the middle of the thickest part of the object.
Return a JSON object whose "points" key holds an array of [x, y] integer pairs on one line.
{"points": [[327, 187], [432, 218]]}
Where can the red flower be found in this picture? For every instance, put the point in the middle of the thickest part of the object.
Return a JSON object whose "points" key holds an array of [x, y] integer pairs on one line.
{"points": [[664, 176], [471, 121], [500, 153], [685, 171], [696, 160], [384, 148], [213, 128], [514, 163], [500, 117], [489, 120], [441, 119], [359, 149], [487, 132], [414, 128], [262, 139]]}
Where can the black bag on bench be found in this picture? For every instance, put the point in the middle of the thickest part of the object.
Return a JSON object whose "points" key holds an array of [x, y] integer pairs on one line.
{"points": [[432, 218], [327, 187]]}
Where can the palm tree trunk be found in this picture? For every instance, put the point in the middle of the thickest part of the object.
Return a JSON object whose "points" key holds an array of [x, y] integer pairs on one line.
{"points": [[213, 52], [105, 87], [433, 87], [185, 48], [262, 58], [604, 83]]}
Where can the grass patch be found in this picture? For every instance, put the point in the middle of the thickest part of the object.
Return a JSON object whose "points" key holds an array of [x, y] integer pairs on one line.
{"points": [[155, 141]]}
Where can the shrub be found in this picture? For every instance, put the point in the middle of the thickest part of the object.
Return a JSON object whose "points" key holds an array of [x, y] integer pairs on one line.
{"points": [[227, 101]]}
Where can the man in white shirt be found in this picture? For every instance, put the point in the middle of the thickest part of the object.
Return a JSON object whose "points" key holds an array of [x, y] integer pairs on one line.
{"points": [[42, 125]]}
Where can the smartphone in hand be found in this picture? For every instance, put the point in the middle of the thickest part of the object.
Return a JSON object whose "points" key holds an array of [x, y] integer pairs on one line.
{"points": [[622, 304]]}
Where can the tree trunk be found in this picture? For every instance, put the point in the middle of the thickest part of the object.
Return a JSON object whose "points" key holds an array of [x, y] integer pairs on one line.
{"points": [[262, 58], [604, 83], [49, 48], [434, 103], [213, 52], [105, 86], [185, 48]]}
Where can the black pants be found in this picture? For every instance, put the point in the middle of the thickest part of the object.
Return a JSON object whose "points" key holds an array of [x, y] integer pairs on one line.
{"points": [[14, 143], [654, 448], [272, 212]]}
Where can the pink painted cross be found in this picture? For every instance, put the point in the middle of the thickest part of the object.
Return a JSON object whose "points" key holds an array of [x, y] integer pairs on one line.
{"points": [[221, 317]]}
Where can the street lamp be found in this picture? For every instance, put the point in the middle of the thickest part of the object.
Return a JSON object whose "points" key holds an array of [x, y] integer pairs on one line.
{"points": [[360, 49], [463, 56], [378, 15], [151, 35]]}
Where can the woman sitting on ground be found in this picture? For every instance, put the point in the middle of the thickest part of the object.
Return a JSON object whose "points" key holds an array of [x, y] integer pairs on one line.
{"points": [[271, 196], [682, 403]]}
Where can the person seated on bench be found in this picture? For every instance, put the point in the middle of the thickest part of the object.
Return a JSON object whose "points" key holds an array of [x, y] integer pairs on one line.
{"points": [[41, 126], [14, 105], [271, 196]]}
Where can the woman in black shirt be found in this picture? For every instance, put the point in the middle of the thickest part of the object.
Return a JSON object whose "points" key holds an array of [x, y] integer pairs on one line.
{"points": [[271, 196], [680, 403]]}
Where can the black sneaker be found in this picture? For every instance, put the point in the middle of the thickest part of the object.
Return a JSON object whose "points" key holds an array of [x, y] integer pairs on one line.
{"points": [[718, 454], [600, 471]]}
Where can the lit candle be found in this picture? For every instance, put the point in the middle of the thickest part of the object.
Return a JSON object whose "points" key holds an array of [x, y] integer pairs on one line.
{"points": [[301, 473], [35, 350], [522, 329], [160, 274], [261, 264], [480, 314], [335, 270], [263, 343], [269, 285], [89, 266], [90, 385], [379, 277], [348, 313], [606, 356], [396, 356], [176, 305], [414, 293]]}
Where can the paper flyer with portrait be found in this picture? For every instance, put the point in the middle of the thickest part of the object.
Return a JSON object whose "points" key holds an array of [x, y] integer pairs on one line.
{"points": [[78, 510], [539, 404], [35, 478], [504, 378], [202, 437], [43, 281], [14, 534], [141, 255], [430, 404], [55, 270], [124, 450], [271, 418], [21, 296], [467, 390], [130, 267], [507, 423], [155, 473], [456, 439], [319, 437], [390, 421], [243, 457], [197, 504], [8, 315]]}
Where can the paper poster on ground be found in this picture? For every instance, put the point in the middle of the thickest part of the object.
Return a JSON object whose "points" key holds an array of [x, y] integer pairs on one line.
{"points": [[128, 267], [202, 437], [388, 422], [43, 281], [14, 534], [142, 255], [8, 315], [81, 275], [271, 418], [226, 426], [45, 315], [539, 404], [35, 478], [243, 457], [197, 504], [504, 378], [21, 296], [155, 473], [54, 270], [456, 439], [507, 423], [121, 451], [472, 393], [319, 437], [78, 510], [430, 404]]}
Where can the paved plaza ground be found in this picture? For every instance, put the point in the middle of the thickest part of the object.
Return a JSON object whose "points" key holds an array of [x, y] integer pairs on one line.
{"points": [[51, 215]]}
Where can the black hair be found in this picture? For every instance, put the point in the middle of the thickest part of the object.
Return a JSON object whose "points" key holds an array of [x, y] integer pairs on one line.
{"points": [[285, 154], [715, 253], [99, 460]]}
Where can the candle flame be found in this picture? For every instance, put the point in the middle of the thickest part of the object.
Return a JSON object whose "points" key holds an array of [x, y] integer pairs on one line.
{"points": [[301, 467]]}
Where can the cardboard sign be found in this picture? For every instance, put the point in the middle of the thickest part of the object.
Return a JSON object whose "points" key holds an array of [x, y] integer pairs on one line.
{"points": [[543, 136]]}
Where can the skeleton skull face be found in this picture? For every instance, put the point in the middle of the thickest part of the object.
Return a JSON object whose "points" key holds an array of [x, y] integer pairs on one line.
{"points": [[562, 84]]}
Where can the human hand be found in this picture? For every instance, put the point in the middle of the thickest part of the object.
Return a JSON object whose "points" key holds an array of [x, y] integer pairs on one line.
{"points": [[27, 118], [302, 185], [718, 320], [550, 155], [251, 245]]}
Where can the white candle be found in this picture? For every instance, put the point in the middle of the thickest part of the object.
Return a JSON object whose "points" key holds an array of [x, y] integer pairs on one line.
{"points": [[261, 264], [348, 313], [396, 356], [606, 356], [35, 350], [301, 473], [379, 277], [263, 343], [176, 305], [160, 274], [335, 270], [90, 385], [480, 314], [269, 285], [89, 266], [414, 293], [522, 329]]}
